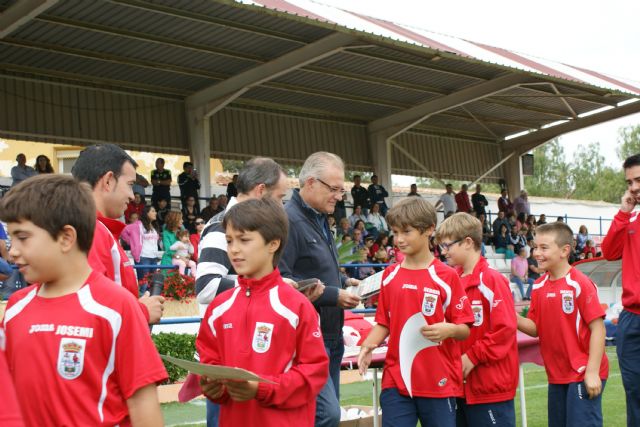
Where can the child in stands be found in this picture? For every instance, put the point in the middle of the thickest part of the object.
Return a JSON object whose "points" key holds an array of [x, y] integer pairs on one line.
{"points": [[183, 253], [566, 314], [490, 354], [74, 338], [424, 311], [263, 325]]}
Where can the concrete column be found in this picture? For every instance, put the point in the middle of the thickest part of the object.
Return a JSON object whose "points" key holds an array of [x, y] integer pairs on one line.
{"points": [[513, 176], [381, 156], [200, 149]]}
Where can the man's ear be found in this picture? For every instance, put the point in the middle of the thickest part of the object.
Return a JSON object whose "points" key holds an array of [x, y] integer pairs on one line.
{"points": [[67, 238], [106, 182]]}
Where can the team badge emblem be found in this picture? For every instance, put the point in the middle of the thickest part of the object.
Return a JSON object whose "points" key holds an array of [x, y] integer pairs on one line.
{"points": [[262, 337], [429, 304], [477, 314], [71, 357], [567, 303]]}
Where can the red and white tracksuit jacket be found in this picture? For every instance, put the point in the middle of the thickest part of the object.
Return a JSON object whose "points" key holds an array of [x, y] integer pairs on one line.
{"points": [[623, 241], [493, 344], [108, 258], [271, 329]]}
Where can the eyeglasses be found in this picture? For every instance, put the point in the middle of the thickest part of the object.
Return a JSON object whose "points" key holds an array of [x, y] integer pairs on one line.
{"points": [[447, 246], [199, 222], [335, 190]]}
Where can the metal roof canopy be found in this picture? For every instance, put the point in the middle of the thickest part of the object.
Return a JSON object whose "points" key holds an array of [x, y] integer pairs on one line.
{"points": [[237, 80]]}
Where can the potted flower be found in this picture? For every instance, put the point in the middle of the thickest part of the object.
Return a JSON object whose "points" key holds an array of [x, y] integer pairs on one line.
{"points": [[179, 293]]}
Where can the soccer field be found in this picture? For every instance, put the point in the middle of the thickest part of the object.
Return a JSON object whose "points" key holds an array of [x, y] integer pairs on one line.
{"points": [[613, 404]]}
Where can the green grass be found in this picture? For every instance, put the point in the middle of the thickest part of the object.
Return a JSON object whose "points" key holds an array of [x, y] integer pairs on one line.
{"points": [[535, 380]]}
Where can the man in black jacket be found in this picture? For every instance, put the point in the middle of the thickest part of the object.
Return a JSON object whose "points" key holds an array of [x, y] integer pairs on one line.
{"points": [[310, 252], [360, 196]]}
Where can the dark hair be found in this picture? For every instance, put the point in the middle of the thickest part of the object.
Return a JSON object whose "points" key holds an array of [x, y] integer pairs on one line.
{"points": [[265, 215], [259, 170], [47, 168], [185, 164], [631, 161], [67, 202], [96, 160], [144, 219]]}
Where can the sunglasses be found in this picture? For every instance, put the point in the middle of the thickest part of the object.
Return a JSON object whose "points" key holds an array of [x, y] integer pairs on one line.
{"points": [[199, 222]]}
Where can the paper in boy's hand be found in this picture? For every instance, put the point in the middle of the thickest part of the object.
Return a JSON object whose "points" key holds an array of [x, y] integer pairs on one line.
{"points": [[215, 371], [368, 287]]}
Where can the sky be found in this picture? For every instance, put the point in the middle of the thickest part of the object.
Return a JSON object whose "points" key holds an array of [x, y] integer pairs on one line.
{"points": [[601, 36]]}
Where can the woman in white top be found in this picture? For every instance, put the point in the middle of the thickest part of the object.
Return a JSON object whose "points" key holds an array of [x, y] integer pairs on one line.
{"points": [[377, 220], [356, 216], [143, 238]]}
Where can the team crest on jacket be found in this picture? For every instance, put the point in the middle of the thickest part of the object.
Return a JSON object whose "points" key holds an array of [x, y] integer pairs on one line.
{"points": [[71, 357], [567, 301], [262, 337], [429, 304], [477, 314]]}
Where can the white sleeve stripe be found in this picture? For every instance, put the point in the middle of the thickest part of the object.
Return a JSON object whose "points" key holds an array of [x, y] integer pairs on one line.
{"points": [[539, 285], [573, 284], [221, 309], [391, 275], [115, 321], [115, 257], [486, 292], [283, 311], [19, 306], [445, 286]]}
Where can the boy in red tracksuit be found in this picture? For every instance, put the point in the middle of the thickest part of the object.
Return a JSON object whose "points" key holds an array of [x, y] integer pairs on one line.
{"points": [[263, 325], [424, 311], [490, 354], [623, 241], [566, 314], [10, 415]]}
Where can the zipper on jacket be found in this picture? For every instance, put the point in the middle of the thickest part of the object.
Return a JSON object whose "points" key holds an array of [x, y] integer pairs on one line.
{"points": [[248, 292]]}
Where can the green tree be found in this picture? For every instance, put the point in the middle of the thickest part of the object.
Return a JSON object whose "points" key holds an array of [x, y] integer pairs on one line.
{"points": [[628, 141], [550, 172], [585, 170]]}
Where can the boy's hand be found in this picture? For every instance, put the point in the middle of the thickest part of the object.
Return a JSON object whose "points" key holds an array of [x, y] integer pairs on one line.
{"points": [[241, 391], [154, 306], [211, 388], [438, 332], [593, 384], [364, 359], [467, 366], [628, 202]]}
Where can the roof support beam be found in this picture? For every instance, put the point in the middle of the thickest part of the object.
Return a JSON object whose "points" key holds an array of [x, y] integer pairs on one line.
{"points": [[217, 96], [20, 13], [532, 140], [399, 122]]}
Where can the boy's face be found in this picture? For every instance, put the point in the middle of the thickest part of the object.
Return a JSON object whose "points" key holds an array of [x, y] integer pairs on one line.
{"points": [[548, 254], [250, 255], [34, 251], [455, 250], [410, 240]]}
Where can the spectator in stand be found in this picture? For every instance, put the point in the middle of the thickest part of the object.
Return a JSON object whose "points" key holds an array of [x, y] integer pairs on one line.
{"points": [[479, 202], [222, 201], [378, 251], [504, 204], [512, 220], [377, 194], [560, 219], [501, 240], [531, 225], [356, 216], [161, 181], [140, 185], [361, 225], [589, 248], [534, 271], [195, 237], [447, 200], [521, 219], [542, 219], [133, 217], [232, 191], [581, 238], [142, 237], [500, 220], [487, 234], [376, 220], [189, 183], [212, 209], [520, 273], [462, 200], [518, 239], [333, 227], [5, 267], [344, 239], [360, 195], [21, 171], [357, 239], [43, 165], [345, 227], [414, 191], [162, 210], [341, 210], [521, 204], [361, 272], [134, 206], [190, 211], [173, 224], [183, 253]]}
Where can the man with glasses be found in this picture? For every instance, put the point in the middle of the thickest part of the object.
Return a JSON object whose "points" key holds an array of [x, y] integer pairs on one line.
{"points": [[310, 252]]}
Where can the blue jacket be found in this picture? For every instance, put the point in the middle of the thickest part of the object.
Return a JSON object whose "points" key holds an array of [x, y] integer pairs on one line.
{"points": [[308, 255]]}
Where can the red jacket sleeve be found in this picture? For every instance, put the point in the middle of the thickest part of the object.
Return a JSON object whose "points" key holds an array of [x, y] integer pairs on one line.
{"points": [[498, 341], [614, 241], [207, 347], [302, 383]]}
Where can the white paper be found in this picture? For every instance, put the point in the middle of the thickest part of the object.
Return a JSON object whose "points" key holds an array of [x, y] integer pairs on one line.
{"points": [[369, 286], [215, 371], [411, 343]]}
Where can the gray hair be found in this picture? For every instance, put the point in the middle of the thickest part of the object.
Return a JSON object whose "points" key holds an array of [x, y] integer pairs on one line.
{"points": [[259, 170], [317, 163]]}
